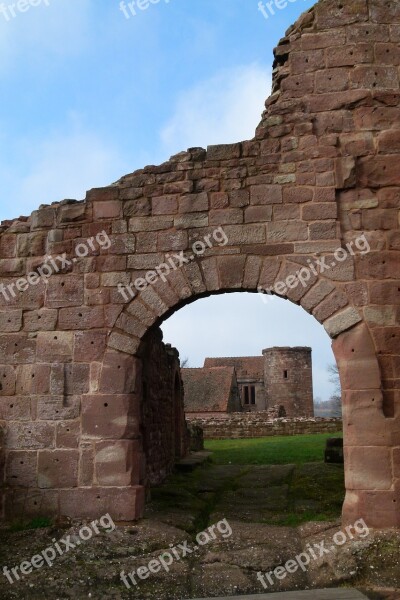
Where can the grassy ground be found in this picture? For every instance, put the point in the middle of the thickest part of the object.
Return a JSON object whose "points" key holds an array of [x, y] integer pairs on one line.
{"points": [[280, 450]]}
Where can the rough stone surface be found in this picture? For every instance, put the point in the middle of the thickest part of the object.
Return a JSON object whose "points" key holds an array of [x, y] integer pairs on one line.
{"points": [[249, 213]]}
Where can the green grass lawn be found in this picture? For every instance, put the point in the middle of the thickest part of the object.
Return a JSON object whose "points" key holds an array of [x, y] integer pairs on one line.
{"points": [[296, 449]]}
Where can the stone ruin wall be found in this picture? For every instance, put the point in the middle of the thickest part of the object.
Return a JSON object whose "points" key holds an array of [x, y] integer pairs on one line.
{"points": [[322, 169], [253, 425]]}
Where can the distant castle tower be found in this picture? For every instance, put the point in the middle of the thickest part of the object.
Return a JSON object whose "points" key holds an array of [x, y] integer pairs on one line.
{"points": [[288, 380]]}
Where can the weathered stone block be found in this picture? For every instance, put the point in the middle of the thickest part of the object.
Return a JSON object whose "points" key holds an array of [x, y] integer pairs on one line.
{"points": [[117, 463], [112, 417], [58, 468]]}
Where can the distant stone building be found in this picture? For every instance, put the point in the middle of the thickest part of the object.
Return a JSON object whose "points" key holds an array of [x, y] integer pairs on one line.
{"points": [[281, 377], [211, 391]]}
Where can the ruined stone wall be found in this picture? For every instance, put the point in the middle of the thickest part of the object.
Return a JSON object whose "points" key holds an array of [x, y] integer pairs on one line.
{"points": [[321, 171], [251, 425], [162, 412], [288, 380]]}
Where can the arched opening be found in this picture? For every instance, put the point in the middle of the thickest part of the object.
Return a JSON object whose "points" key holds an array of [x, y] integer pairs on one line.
{"points": [[234, 343]]}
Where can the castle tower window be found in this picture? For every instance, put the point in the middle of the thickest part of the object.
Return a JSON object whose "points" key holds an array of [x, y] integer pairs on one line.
{"points": [[246, 394], [285, 374], [252, 394]]}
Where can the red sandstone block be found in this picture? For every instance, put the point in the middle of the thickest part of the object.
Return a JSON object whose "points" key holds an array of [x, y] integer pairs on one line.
{"points": [[378, 265], [290, 231], [122, 503], [13, 267], [387, 339], [330, 305], [179, 187], [384, 292], [118, 374], [231, 271], [257, 214], [389, 141], [316, 294], [44, 217], [302, 62], [368, 32], [368, 468], [89, 345], [54, 346], [193, 203], [252, 272], [337, 101], [266, 194], [117, 463], [68, 434], [209, 270], [355, 354], [14, 408], [58, 468], [377, 77], [396, 462], [324, 230], [31, 244], [334, 13], [107, 209], [364, 419], [17, 349], [10, 321], [55, 408], [165, 205], [388, 12], [323, 39], [226, 216], [105, 194], [357, 293], [224, 152], [40, 320], [194, 276], [110, 417], [286, 212], [64, 291], [238, 198], [332, 80], [8, 245], [21, 469], [297, 86], [82, 317], [76, 379], [30, 503], [319, 211], [33, 379], [172, 241], [296, 194], [380, 219], [30, 436], [219, 200], [350, 55], [86, 464], [387, 54]]}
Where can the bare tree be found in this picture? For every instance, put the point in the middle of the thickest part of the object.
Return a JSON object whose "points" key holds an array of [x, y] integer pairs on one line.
{"points": [[336, 399], [185, 363]]}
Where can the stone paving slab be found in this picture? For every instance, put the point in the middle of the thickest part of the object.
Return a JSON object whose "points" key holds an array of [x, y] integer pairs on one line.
{"points": [[327, 594]]}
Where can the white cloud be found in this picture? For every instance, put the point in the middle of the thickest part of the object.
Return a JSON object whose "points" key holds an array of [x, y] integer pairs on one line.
{"points": [[224, 109], [64, 165], [240, 324], [43, 33]]}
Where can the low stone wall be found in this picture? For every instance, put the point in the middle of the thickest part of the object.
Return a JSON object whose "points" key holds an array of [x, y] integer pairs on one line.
{"points": [[251, 425]]}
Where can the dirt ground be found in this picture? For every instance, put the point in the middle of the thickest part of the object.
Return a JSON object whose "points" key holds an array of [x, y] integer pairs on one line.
{"points": [[257, 528]]}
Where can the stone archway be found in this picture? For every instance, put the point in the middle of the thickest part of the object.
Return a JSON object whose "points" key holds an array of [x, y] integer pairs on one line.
{"points": [[320, 175]]}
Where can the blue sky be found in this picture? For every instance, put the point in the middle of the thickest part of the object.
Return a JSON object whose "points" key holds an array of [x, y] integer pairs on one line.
{"points": [[88, 95]]}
